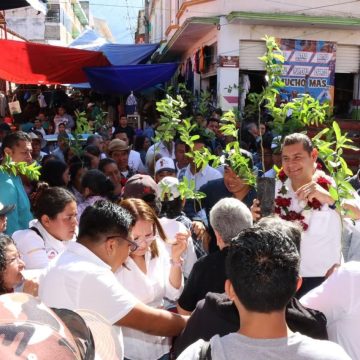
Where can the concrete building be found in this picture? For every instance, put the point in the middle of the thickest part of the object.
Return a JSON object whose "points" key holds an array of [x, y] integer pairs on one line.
{"points": [[231, 32], [64, 21]]}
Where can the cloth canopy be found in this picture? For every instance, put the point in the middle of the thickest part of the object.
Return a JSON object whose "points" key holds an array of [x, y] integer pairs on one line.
{"points": [[39, 5], [118, 54], [31, 63], [126, 78], [89, 39]]}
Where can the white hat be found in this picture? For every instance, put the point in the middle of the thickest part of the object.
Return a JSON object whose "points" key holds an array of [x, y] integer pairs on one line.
{"points": [[169, 188], [165, 163]]}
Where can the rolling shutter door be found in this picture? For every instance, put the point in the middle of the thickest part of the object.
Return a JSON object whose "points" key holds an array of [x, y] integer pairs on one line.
{"points": [[347, 59], [249, 53]]}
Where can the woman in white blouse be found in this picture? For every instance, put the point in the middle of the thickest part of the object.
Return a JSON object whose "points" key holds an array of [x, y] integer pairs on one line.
{"points": [[151, 275], [55, 225]]}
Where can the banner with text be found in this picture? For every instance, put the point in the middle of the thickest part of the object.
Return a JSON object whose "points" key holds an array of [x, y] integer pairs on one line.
{"points": [[309, 68]]}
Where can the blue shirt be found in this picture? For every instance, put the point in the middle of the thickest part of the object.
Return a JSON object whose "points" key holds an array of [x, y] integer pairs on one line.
{"points": [[12, 192]]}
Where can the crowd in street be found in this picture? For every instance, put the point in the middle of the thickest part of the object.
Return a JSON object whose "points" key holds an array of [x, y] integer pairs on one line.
{"points": [[106, 229]]}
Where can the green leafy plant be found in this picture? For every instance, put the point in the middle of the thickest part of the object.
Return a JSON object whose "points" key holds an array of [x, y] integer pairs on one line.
{"points": [[31, 171], [232, 154], [187, 190], [331, 144]]}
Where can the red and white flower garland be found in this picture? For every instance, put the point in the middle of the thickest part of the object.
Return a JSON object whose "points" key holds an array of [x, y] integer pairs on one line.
{"points": [[283, 203]]}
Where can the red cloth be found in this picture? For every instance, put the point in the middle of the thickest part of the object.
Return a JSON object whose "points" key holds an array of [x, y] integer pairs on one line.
{"points": [[31, 63]]}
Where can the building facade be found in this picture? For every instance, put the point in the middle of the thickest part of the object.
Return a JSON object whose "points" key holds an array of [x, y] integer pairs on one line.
{"points": [[64, 21], [225, 37]]}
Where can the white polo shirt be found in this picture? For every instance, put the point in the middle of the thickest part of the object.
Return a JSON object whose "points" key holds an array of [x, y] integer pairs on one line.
{"points": [[78, 279]]}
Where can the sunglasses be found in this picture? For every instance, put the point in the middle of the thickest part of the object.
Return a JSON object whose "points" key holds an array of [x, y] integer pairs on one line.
{"points": [[133, 245]]}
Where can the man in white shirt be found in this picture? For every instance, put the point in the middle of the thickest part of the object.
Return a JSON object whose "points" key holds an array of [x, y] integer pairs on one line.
{"points": [[134, 161], [339, 299], [299, 196], [83, 276], [200, 176]]}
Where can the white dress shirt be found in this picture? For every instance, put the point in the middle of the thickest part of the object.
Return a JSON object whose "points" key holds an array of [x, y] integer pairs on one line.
{"points": [[37, 252], [320, 246], [78, 279], [150, 288], [201, 177], [339, 299]]}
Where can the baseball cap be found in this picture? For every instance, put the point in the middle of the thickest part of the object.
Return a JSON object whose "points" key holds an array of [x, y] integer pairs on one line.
{"points": [[29, 329], [141, 187], [117, 145], [164, 163], [169, 188], [4, 209]]}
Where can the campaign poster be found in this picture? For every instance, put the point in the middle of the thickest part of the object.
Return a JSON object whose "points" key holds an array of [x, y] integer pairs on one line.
{"points": [[309, 68]]}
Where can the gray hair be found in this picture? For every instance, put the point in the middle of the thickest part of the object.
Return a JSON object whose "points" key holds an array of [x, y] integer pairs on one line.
{"points": [[228, 217]]}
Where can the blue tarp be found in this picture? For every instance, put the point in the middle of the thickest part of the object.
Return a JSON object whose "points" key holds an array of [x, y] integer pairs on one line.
{"points": [[117, 54], [127, 78]]}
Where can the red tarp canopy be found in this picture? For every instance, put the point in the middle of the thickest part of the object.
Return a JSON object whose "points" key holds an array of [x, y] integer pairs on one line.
{"points": [[31, 63]]}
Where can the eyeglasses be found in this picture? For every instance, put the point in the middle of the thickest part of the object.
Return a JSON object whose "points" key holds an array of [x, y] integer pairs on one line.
{"points": [[148, 239], [133, 245]]}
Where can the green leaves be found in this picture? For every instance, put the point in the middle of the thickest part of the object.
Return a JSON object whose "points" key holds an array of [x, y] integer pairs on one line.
{"points": [[330, 144], [31, 171]]}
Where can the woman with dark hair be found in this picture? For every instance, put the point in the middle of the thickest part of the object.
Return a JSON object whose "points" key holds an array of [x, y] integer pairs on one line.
{"points": [[96, 186], [55, 173], [77, 171], [151, 275], [54, 226], [11, 267]]}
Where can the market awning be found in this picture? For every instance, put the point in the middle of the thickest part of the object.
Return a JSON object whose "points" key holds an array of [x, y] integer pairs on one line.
{"points": [[39, 5], [31, 63], [118, 54], [126, 78]]}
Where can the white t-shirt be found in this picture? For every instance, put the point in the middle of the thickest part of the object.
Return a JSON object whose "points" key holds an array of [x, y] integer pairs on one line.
{"points": [[135, 162], [320, 246], [37, 252], [202, 177], [171, 228], [339, 299], [78, 279], [149, 288]]}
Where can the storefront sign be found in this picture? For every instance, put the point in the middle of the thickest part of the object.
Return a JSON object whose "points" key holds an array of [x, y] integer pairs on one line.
{"points": [[309, 68], [229, 61]]}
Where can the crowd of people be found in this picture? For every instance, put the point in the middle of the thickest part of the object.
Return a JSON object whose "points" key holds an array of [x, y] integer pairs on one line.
{"points": [[107, 229]]}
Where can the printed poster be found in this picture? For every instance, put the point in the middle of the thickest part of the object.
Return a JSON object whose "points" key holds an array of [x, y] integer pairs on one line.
{"points": [[309, 68]]}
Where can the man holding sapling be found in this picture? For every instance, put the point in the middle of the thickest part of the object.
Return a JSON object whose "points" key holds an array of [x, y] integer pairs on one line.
{"points": [[302, 195]]}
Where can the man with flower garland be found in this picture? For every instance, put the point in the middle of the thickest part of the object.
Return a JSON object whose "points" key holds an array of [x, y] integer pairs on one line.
{"points": [[302, 194]]}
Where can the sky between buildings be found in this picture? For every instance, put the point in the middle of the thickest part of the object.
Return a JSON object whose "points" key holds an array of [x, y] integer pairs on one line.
{"points": [[121, 16]]}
